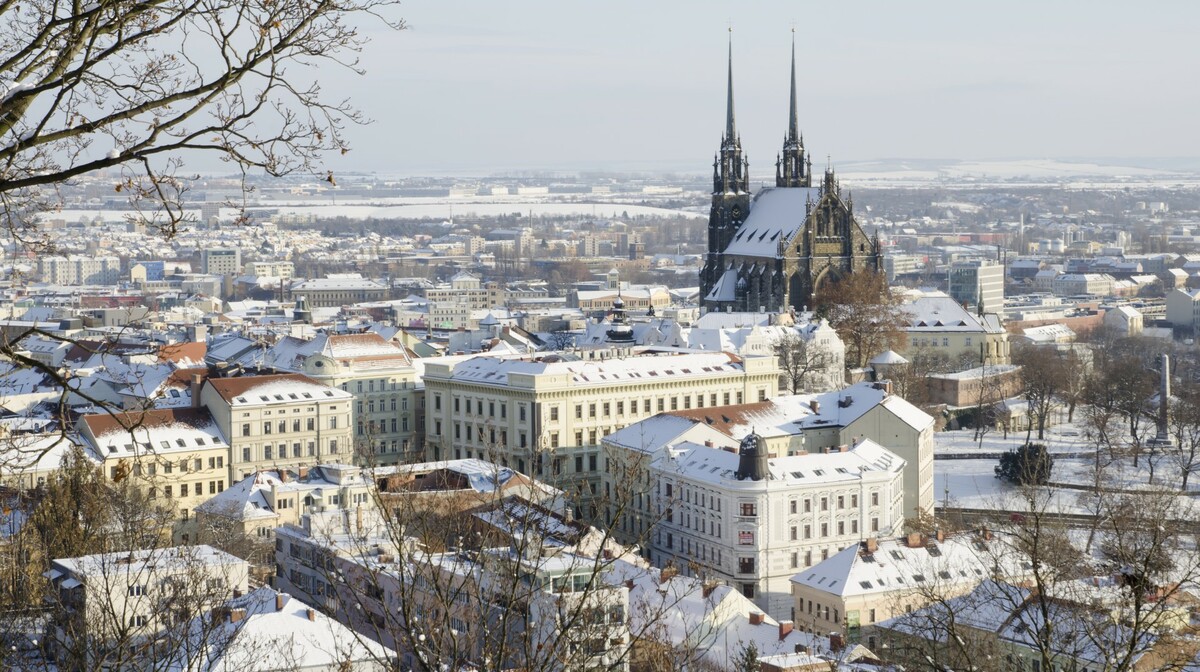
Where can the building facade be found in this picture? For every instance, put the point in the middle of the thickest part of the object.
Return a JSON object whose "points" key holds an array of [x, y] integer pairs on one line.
{"points": [[978, 282], [280, 420]]}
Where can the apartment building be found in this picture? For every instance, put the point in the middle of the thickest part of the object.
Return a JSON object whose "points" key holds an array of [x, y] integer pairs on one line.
{"points": [[753, 520], [561, 602], [178, 456], [266, 500], [79, 270], [284, 270], [117, 597], [883, 577], [388, 406], [221, 261], [339, 289], [979, 283], [938, 325], [280, 420], [546, 416]]}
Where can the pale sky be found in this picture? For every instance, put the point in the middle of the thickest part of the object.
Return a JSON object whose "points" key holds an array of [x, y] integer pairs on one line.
{"points": [[479, 86]]}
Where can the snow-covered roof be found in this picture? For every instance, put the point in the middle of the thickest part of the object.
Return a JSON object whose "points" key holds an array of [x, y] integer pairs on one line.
{"points": [[775, 215], [888, 357], [254, 390], [495, 371], [942, 313], [153, 432], [713, 465], [897, 566], [274, 631]]}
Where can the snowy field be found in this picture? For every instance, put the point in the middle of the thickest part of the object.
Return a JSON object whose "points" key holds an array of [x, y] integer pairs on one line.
{"points": [[964, 471]]}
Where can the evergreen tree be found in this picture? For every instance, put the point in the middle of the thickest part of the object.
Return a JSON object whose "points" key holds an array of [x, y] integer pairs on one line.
{"points": [[1030, 464]]}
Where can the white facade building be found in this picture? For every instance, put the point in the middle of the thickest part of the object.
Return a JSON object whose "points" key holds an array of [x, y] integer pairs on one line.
{"points": [[978, 282], [79, 270], [753, 520]]}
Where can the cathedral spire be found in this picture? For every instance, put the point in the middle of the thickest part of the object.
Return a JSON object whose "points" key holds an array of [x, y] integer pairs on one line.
{"points": [[793, 117], [730, 130], [793, 168]]}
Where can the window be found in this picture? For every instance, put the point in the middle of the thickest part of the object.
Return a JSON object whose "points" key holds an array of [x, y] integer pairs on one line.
{"points": [[795, 560], [874, 499], [591, 462], [578, 411], [267, 452], [808, 531], [808, 506], [553, 413], [333, 447], [841, 501], [296, 424], [792, 506], [824, 529], [333, 422], [521, 412], [824, 501], [607, 409], [282, 426], [746, 566], [854, 501], [246, 454], [794, 533], [748, 509], [266, 428], [312, 424], [841, 527], [246, 429]]}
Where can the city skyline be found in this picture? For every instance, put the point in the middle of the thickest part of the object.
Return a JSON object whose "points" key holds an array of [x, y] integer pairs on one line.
{"points": [[478, 88]]}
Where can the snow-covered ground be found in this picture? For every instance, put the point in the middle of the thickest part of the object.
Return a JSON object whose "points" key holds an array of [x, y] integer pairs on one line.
{"points": [[1066, 438]]}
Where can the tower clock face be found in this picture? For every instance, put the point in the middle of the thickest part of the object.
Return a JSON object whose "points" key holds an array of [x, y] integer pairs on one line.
{"points": [[736, 212]]}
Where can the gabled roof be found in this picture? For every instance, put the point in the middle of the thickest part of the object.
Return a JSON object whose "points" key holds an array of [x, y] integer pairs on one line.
{"points": [[776, 215], [274, 388]]}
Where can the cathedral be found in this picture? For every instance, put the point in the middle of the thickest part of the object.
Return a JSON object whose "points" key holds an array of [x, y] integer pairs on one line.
{"points": [[775, 250]]}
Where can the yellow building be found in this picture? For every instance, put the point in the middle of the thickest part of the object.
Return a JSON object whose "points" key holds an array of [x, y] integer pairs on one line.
{"points": [[178, 456], [280, 420]]}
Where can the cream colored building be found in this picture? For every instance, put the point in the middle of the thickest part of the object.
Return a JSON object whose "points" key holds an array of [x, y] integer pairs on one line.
{"points": [[280, 420], [881, 578], [284, 270], [637, 298], [546, 416], [937, 324], [389, 417], [465, 288], [263, 501], [178, 456]]}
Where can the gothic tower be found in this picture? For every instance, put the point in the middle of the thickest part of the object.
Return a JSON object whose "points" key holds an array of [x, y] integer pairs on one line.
{"points": [[731, 190], [793, 168]]}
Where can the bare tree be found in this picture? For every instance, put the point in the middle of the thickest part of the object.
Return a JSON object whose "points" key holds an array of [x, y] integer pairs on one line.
{"points": [[140, 86], [1040, 384], [867, 315], [799, 362]]}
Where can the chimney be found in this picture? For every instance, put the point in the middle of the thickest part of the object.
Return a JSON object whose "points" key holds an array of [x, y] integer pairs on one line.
{"points": [[709, 587], [196, 384], [836, 642], [756, 618], [887, 388], [312, 614], [800, 648], [785, 629], [278, 601], [302, 472], [284, 476], [941, 535], [815, 406], [872, 544], [914, 540], [629, 584], [236, 615], [708, 443], [985, 533], [667, 573]]}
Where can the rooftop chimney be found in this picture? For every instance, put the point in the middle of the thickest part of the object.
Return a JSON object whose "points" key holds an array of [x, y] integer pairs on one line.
{"points": [[815, 406], [302, 472], [872, 544], [312, 614], [785, 629], [836, 642], [194, 389], [278, 601], [236, 615], [667, 573], [914, 540], [709, 587], [756, 618]]}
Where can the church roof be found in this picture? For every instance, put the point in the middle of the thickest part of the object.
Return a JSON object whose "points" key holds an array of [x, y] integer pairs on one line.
{"points": [[775, 214], [725, 288]]}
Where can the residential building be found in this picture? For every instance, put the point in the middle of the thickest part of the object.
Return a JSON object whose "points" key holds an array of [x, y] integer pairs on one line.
{"points": [[979, 283], [546, 416], [752, 519], [1124, 321], [546, 608], [258, 504], [790, 425], [465, 288], [280, 420], [339, 289], [266, 631], [1083, 284], [1183, 309], [389, 414], [636, 298], [284, 270], [937, 324], [177, 456], [874, 580], [221, 261], [117, 597], [79, 270]]}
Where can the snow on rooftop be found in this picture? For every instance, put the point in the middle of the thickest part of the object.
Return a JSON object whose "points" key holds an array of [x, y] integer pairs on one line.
{"points": [[775, 215]]}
